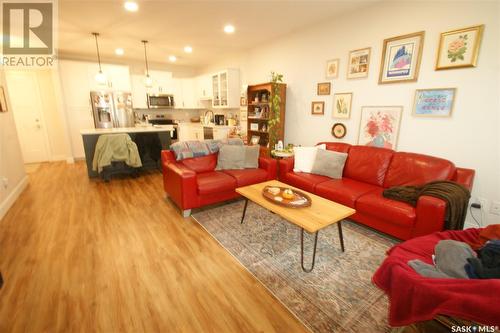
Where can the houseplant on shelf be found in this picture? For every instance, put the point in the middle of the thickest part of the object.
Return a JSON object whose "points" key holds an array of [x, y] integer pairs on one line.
{"points": [[273, 124]]}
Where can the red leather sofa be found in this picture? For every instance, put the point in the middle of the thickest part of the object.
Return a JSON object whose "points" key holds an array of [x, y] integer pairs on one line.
{"points": [[194, 182], [367, 172]]}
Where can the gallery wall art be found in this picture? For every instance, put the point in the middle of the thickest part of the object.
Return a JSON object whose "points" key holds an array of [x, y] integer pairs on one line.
{"points": [[342, 105], [379, 126], [359, 63], [434, 102], [401, 58], [332, 68], [459, 48]]}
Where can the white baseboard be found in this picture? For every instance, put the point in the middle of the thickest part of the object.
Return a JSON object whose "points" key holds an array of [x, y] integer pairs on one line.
{"points": [[57, 158], [70, 160], [12, 197]]}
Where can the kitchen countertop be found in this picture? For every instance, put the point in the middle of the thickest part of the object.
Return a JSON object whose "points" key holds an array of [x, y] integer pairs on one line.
{"points": [[139, 129], [200, 124]]}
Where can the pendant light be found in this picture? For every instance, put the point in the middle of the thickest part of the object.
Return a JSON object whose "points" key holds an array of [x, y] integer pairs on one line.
{"points": [[147, 80], [100, 76]]}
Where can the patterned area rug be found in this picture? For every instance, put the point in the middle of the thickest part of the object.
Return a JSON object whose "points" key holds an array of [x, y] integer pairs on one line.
{"points": [[337, 296]]}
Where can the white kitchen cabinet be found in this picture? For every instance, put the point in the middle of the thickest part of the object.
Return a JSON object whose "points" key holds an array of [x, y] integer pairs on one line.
{"points": [[190, 132], [139, 92], [220, 133], [162, 84], [117, 77], [226, 89], [184, 94], [204, 87]]}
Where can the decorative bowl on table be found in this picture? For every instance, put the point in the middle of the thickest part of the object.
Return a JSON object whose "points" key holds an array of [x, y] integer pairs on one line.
{"points": [[282, 153], [286, 197]]}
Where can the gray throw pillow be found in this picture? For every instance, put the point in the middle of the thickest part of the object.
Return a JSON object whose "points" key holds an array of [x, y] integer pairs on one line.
{"points": [[329, 163], [231, 157], [252, 157]]}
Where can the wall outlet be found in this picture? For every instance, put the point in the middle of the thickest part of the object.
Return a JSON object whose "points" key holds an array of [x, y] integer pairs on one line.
{"points": [[495, 208], [5, 182]]}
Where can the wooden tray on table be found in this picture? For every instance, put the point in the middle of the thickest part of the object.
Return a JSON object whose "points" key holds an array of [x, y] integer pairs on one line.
{"points": [[299, 199]]}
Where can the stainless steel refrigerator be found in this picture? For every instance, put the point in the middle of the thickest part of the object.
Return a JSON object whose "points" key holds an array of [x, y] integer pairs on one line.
{"points": [[112, 109]]}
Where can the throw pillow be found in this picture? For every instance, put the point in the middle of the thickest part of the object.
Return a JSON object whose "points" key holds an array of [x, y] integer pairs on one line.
{"points": [[252, 156], [231, 157], [329, 163], [305, 157]]}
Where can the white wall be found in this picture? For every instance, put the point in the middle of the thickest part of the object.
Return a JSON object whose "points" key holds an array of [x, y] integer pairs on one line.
{"points": [[470, 138], [11, 161]]}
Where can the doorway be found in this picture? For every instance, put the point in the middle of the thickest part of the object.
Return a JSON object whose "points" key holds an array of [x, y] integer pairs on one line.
{"points": [[24, 94]]}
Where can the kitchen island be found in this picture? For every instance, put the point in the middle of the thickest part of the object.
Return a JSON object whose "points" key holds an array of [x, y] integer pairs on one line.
{"points": [[149, 140]]}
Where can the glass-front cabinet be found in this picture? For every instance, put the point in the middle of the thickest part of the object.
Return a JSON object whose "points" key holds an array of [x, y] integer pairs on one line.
{"points": [[226, 89]]}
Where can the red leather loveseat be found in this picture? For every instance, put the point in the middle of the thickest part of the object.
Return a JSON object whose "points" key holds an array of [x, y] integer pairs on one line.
{"points": [[194, 182], [367, 172]]}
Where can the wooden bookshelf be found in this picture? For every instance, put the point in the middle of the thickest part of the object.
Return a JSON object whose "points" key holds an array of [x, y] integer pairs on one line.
{"points": [[259, 98]]}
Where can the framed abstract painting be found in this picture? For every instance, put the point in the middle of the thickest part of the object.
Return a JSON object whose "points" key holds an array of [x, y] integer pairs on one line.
{"points": [[379, 126], [342, 105], [434, 102], [401, 58], [459, 48]]}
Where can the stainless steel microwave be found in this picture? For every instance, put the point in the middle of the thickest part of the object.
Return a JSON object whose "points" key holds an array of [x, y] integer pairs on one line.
{"points": [[160, 101]]}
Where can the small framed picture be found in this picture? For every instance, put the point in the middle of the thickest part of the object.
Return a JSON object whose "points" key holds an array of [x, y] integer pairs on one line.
{"points": [[255, 140], [3, 101], [318, 108], [243, 101], [342, 105], [324, 88], [459, 48], [401, 58], [332, 68], [339, 130], [359, 63], [254, 126], [434, 102]]}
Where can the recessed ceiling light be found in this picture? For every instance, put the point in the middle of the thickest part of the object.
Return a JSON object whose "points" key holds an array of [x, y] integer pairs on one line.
{"points": [[188, 49], [119, 51], [131, 6], [229, 29], [172, 58]]}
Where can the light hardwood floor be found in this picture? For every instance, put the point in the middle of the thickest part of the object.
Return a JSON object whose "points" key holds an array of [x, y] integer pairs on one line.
{"points": [[87, 256]]}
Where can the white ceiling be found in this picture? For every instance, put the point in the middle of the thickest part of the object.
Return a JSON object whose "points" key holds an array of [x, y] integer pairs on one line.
{"points": [[170, 25]]}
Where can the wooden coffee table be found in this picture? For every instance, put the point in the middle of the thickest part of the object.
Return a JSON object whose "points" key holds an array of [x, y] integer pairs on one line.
{"points": [[312, 219]]}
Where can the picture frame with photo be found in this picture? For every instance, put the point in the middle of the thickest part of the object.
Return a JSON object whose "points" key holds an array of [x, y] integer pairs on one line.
{"points": [[324, 88], [332, 68], [3, 101], [255, 140], [437, 102], [359, 63], [459, 48], [342, 105], [243, 101], [254, 126], [379, 126], [401, 57], [318, 108]]}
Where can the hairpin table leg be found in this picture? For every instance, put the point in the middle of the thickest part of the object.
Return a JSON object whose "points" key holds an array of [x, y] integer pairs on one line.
{"points": [[302, 251], [244, 211], [339, 225]]}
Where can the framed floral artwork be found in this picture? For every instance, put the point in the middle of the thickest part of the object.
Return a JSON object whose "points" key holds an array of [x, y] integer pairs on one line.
{"points": [[3, 101], [332, 69], [342, 105], [324, 88], [339, 130], [434, 102], [401, 58], [359, 63], [459, 48], [318, 108], [379, 126]]}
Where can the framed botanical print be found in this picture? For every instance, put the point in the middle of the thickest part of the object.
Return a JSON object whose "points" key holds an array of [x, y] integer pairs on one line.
{"points": [[401, 58], [324, 88], [332, 68], [342, 105], [339, 130], [318, 108], [359, 63], [379, 126], [434, 102], [3, 101], [459, 48]]}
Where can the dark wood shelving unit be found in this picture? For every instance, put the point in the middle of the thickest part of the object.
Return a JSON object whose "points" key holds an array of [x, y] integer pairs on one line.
{"points": [[259, 98]]}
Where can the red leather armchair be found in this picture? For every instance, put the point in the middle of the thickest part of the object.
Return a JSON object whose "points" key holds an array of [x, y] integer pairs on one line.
{"points": [[194, 182], [367, 172]]}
